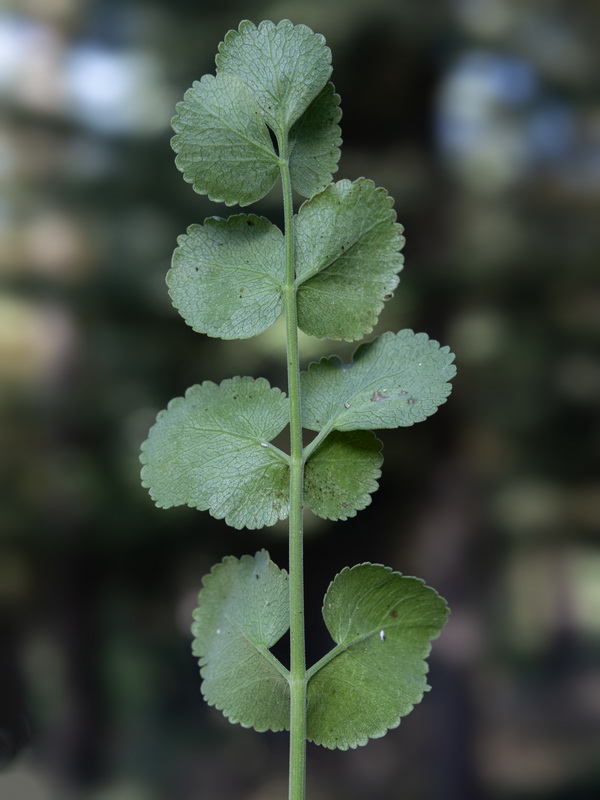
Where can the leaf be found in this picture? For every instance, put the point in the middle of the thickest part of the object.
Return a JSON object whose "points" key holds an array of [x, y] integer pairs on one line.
{"points": [[243, 611], [226, 276], [209, 450], [223, 145], [395, 380], [382, 623], [314, 143], [347, 249], [342, 473], [285, 67]]}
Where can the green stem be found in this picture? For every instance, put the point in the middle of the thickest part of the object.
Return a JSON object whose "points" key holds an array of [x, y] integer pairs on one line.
{"points": [[297, 679]]}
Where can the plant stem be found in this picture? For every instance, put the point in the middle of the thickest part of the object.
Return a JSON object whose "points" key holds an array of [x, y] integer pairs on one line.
{"points": [[298, 681]]}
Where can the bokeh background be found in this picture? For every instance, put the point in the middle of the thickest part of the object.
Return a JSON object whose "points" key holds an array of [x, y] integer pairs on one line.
{"points": [[482, 119]]}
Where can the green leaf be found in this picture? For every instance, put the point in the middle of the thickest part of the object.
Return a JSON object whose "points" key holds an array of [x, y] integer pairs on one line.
{"points": [[285, 67], [223, 145], [226, 276], [347, 249], [209, 450], [342, 473], [243, 611], [382, 623], [396, 380], [314, 143]]}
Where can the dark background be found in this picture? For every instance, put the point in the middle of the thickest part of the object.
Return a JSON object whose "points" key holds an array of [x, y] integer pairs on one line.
{"points": [[482, 119]]}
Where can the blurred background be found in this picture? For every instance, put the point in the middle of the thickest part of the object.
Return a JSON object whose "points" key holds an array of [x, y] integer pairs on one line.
{"points": [[482, 119]]}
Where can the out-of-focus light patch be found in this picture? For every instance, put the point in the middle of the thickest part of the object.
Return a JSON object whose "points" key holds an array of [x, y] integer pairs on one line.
{"points": [[479, 129], [15, 35], [532, 507], [117, 92], [537, 580], [31, 56], [110, 91], [485, 18], [125, 790], [496, 126], [53, 10], [22, 783], [478, 335], [53, 245], [584, 569], [35, 340]]}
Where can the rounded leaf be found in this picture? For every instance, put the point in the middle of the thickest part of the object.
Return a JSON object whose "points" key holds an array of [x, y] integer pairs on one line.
{"points": [[243, 610], [227, 274], [394, 381], [285, 66], [223, 145], [348, 257], [314, 143], [383, 623], [342, 473], [210, 450]]}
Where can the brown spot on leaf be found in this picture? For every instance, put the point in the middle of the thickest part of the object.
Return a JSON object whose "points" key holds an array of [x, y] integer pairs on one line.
{"points": [[377, 397]]}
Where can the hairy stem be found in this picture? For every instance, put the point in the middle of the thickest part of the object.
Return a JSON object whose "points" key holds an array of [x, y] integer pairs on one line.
{"points": [[298, 681]]}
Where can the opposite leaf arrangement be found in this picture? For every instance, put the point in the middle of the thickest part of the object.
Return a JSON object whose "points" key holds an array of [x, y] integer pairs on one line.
{"points": [[270, 111]]}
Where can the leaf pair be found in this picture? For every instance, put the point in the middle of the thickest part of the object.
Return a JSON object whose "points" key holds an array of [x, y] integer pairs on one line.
{"points": [[382, 624], [268, 77], [227, 275], [211, 449]]}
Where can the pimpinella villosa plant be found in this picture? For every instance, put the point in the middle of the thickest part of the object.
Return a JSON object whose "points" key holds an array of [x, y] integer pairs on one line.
{"points": [[270, 112]]}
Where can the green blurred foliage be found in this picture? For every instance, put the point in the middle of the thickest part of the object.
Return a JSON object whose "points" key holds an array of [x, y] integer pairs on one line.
{"points": [[481, 118]]}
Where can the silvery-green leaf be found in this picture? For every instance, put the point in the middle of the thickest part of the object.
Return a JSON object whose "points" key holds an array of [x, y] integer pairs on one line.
{"points": [[342, 473], [226, 276], [348, 258], [314, 143], [285, 67], [243, 610], [223, 145], [395, 380], [382, 623], [210, 450]]}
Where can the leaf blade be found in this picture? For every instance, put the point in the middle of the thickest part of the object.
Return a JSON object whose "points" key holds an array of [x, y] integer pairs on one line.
{"points": [[285, 66], [383, 623], [348, 270], [243, 610], [210, 450], [314, 143], [342, 473], [394, 381], [223, 146], [226, 276]]}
